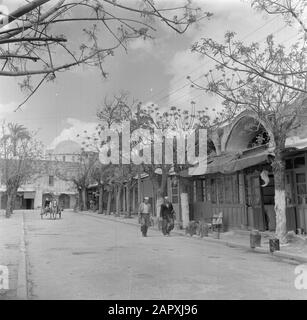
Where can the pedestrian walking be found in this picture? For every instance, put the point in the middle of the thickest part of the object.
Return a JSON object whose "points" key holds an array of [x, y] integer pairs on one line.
{"points": [[144, 216], [167, 213]]}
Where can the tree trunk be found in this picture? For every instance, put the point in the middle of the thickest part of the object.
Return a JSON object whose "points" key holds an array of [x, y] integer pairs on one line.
{"points": [[278, 166], [84, 199], [109, 202], [139, 189], [80, 200], [128, 199], [118, 194], [159, 202], [100, 201], [155, 188], [164, 182], [14, 196], [11, 196], [154, 204], [9, 205]]}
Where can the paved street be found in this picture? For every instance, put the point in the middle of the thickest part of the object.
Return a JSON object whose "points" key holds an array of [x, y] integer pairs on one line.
{"points": [[86, 257]]}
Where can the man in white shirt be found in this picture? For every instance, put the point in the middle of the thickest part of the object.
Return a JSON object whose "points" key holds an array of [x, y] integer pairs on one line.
{"points": [[144, 215]]}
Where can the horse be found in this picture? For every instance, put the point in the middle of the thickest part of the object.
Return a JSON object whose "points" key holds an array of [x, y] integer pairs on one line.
{"points": [[45, 211], [55, 210]]}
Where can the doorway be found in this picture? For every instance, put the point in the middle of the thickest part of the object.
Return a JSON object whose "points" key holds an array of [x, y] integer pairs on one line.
{"points": [[64, 201], [29, 204]]}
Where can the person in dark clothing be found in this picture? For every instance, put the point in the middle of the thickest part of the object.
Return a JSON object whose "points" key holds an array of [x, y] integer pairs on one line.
{"points": [[167, 215], [47, 205]]}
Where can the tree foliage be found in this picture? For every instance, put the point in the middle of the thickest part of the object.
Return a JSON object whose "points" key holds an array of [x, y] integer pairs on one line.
{"points": [[19, 156], [44, 37], [267, 79]]}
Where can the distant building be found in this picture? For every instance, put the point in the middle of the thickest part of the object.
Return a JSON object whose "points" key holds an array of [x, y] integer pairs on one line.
{"points": [[47, 184], [66, 151]]}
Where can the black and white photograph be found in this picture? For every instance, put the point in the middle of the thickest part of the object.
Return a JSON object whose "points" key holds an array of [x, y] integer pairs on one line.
{"points": [[153, 150]]}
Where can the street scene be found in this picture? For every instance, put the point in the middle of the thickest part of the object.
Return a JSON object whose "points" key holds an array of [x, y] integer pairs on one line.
{"points": [[153, 150], [85, 256]]}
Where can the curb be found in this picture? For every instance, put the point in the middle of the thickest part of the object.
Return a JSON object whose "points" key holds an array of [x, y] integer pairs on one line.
{"points": [[22, 291], [279, 254]]}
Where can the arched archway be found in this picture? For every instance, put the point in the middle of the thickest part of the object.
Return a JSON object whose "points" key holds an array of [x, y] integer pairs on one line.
{"points": [[64, 201], [45, 196], [247, 132]]}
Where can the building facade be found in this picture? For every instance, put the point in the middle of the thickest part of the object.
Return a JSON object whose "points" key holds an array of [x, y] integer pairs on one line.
{"points": [[46, 182], [239, 181]]}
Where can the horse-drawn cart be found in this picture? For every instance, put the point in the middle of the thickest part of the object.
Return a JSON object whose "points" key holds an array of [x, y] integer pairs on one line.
{"points": [[53, 209]]}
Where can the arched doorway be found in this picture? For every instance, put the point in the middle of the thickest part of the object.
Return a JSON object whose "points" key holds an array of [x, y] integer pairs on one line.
{"points": [[45, 196], [64, 201]]}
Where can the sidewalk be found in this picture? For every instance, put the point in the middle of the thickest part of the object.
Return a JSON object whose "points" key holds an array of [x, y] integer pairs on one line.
{"points": [[11, 243], [296, 250]]}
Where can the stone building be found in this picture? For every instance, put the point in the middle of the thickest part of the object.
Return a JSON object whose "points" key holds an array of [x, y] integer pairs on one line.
{"points": [[46, 183]]}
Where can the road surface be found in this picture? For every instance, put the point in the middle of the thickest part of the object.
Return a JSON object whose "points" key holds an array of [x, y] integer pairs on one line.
{"points": [[86, 257]]}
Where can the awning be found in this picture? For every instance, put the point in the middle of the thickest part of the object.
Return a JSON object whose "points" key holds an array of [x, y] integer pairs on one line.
{"points": [[229, 163], [93, 185], [20, 190], [29, 195]]}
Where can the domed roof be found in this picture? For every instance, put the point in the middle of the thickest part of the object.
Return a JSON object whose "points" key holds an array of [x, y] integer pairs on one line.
{"points": [[67, 147]]}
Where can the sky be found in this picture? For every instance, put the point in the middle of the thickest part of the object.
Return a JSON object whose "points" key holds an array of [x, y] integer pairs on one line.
{"points": [[152, 71]]}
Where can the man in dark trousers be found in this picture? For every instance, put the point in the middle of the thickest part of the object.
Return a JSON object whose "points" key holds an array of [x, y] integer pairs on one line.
{"points": [[167, 215], [144, 216]]}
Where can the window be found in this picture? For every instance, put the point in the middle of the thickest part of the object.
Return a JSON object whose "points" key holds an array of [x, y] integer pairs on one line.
{"points": [[289, 164], [51, 181], [213, 190], [224, 189], [299, 162], [235, 183], [301, 188], [289, 190]]}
